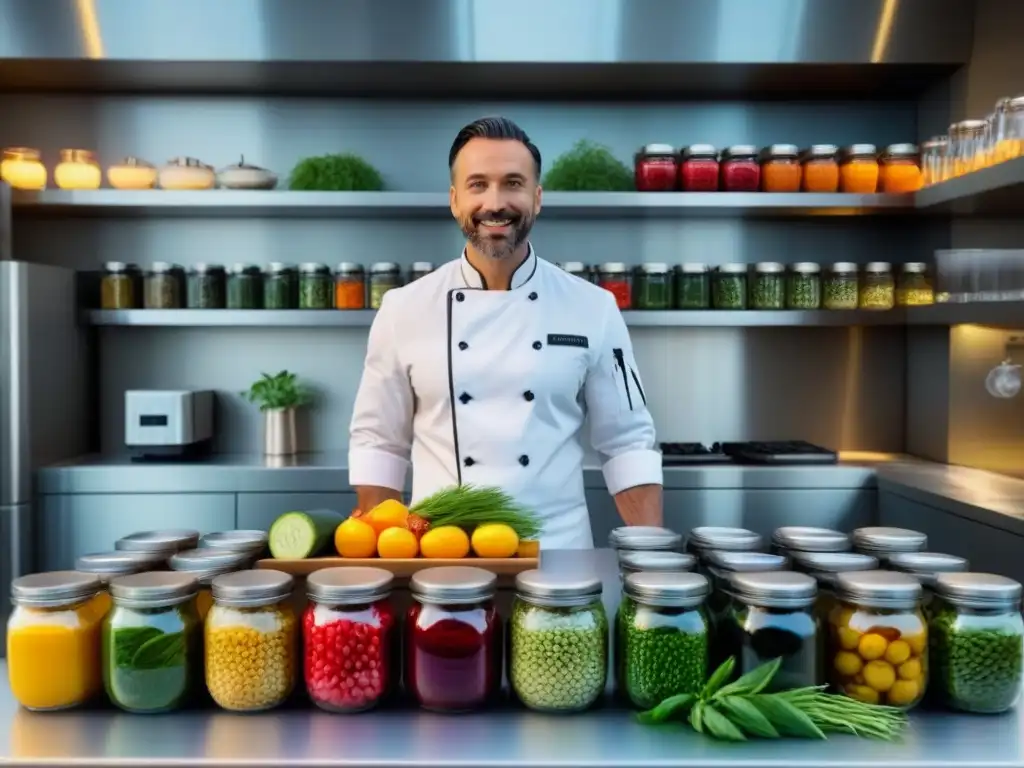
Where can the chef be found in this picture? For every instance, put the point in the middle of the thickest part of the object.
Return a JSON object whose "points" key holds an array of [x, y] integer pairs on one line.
{"points": [[483, 371]]}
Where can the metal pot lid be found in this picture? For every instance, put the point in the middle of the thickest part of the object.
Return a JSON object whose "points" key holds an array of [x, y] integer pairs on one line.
{"points": [[558, 588], [672, 590], [349, 585], [155, 589], [188, 162], [879, 589], [453, 584], [119, 562], [778, 589], [204, 559], [885, 539], [728, 539], [810, 539], [241, 165], [158, 541], [251, 589], [833, 562], [676, 562], [236, 541], [644, 537], [924, 563], [133, 162], [701, 151], [54, 589], [658, 150], [747, 562], [979, 590]]}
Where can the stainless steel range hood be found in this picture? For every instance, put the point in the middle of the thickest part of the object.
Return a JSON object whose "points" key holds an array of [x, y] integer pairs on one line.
{"points": [[532, 47]]}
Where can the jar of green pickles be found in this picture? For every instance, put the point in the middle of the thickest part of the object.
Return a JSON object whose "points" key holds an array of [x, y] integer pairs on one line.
{"points": [[384, 275], [205, 289], [693, 286], [280, 287], [244, 287], [840, 287], [316, 287], [768, 290], [654, 287], [803, 286], [117, 288], [729, 287], [163, 286], [878, 289]]}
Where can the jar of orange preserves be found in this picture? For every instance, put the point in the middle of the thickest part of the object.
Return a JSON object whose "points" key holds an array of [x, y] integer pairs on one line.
{"points": [[900, 169], [349, 286], [821, 168], [780, 168], [858, 173]]}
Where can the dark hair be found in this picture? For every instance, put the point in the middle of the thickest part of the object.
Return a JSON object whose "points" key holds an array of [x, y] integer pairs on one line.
{"points": [[492, 128]]}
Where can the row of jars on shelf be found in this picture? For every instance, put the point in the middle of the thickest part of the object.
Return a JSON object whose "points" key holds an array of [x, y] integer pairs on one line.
{"points": [[857, 169], [247, 286], [871, 614], [768, 286]]}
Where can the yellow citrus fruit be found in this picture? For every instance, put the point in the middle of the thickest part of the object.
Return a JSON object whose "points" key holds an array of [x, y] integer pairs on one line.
{"points": [[354, 538], [446, 541], [494, 540], [397, 543], [528, 548], [387, 514]]}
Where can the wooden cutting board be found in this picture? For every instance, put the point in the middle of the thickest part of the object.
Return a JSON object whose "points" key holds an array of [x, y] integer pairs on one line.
{"points": [[502, 566]]}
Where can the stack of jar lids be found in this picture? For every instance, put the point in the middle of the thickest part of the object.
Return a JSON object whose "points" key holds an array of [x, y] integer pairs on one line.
{"points": [[167, 542], [249, 541], [108, 565], [926, 566], [800, 538], [205, 563], [882, 541], [709, 537], [745, 562], [634, 561], [645, 538]]}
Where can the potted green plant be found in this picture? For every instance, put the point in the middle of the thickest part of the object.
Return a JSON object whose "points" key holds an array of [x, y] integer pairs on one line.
{"points": [[279, 396]]}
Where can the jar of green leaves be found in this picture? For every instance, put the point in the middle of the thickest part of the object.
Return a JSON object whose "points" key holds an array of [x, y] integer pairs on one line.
{"points": [[768, 290], [729, 287], [803, 286], [316, 287], [654, 287], [280, 286], [162, 288], [384, 276], [205, 288], [693, 286], [840, 287], [245, 287]]}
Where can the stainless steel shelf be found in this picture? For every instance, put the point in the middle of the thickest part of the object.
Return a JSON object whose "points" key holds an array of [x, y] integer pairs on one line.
{"points": [[997, 190], [994, 314]]}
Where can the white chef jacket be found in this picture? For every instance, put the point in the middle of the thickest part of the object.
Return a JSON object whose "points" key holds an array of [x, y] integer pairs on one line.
{"points": [[491, 388]]}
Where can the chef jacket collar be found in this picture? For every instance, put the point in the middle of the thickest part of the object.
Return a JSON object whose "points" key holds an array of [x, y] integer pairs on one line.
{"points": [[520, 277]]}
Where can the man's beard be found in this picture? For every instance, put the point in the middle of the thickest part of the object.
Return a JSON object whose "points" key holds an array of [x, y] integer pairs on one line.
{"points": [[497, 247]]}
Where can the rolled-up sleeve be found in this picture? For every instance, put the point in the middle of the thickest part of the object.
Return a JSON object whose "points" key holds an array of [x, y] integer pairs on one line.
{"points": [[621, 426], [380, 435]]}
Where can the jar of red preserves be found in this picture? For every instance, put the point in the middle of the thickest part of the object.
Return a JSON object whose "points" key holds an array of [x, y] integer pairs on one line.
{"points": [[654, 168], [616, 278], [698, 170], [350, 638], [453, 639], [740, 169]]}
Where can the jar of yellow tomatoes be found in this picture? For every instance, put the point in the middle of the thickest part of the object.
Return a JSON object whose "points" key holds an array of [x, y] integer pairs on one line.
{"points": [[205, 564], [878, 639], [53, 640], [109, 565], [251, 641], [823, 567]]}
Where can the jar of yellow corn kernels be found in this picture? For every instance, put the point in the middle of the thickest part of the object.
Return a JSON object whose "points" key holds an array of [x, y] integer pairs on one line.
{"points": [[251, 640]]}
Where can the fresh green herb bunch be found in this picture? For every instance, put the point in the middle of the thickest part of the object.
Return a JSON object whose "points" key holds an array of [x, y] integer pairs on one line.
{"points": [[588, 167], [282, 390], [335, 173], [740, 709], [468, 506]]}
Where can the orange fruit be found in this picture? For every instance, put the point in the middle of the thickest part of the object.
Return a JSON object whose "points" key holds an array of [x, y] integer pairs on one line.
{"points": [[494, 540], [447, 541], [528, 548], [388, 514], [397, 543], [354, 538]]}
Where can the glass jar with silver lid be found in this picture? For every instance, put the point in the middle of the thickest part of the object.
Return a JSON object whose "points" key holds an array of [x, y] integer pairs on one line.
{"points": [[108, 565], [977, 642], [707, 538], [316, 286], [768, 288], [654, 287], [926, 567], [205, 288], [162, 288], [252, 542], [558, 641], [384, 276], [721, 565], [164, 541], [578, 269], [151, 641], [803, 286], [883, 541], [205, 564], [644, 538], [244, 287], [420, 269], [634, 561], [824, 568], [729, 287], [693, 286], [802, 538], [773, 617]]}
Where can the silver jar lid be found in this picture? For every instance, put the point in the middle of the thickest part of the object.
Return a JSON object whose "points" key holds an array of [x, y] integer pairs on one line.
{"points": [[746, 562], [384, 266], [55, 589], [249, 541], [739, 151], [241, 268], [673, 562], [693, 268], [915, 267], [313, 268], [453, 585], [845, 268], [803, 538], [671, 590], [119, 563], [824, 564], [701, 151], [349, 585], [644, 538], [574, 266], [657, 150], [206, 560], [879, 589], [778, 589], [205, 269], [723, 538], [821, 151], [806, 268], [880, 267], [884, 540], [422, 266], [279, 267], [769, 267], [900, 150], [979, 590], [613, 268], [171, 540], [115, 267], [252, 589], [156, 589], [558, 589], [733, 268], [861, 150], [782, 150], [162, 267], [655, 268], [348, 268], [927, 565]]}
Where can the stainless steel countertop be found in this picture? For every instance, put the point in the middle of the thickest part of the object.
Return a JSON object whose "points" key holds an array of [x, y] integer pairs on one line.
{"points": [[502, 737]]}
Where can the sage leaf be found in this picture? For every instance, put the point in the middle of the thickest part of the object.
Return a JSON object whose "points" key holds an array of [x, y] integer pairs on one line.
{"points": [[720, 675], [747, 716], [786, 718], [697, 717], [719, 726], [753, 682], [666, 710]]}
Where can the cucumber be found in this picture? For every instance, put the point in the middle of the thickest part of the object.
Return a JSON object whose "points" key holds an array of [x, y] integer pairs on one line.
{"points": [[298, 535]]}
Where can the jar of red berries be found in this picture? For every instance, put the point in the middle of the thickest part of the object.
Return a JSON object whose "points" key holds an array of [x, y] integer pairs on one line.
{"points": [[350, 638], [654, 168], [741, 171], [698, 171]]}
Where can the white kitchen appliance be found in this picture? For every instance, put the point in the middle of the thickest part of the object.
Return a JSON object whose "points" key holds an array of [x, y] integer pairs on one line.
{"points": [[168, 424]]}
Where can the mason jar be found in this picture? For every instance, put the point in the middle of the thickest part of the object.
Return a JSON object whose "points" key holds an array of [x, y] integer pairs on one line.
{"points": [[558, 641], [349, 286], [350, 638], [823, 567], [162, 287], [654, 287], [205, 565], [926, 567], [841, 287], [768, 287], [878, 639], [977, 642], [662, 636], [244, 287], [251, 641], [117, 287], [790, 539], [707, 538], [693, 286], [729, 287], [803, 286], [152, 642], [721, 565], [164, 542], [109, 565], [634, 561], [53, 640], [205, 287], [280, 287], [384, 276], [877, 288], [914, 287], [316, 287], [883, 541], [644, 538]]}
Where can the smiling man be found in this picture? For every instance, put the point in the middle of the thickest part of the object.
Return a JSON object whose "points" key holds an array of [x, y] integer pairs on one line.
{"points": [[483, 372]]}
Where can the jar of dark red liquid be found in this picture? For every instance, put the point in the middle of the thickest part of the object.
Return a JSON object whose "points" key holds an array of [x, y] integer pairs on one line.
{"points": [[616, 278], [350, 638], [654, 168], [740, 170], [698, 170], [453, 639]]}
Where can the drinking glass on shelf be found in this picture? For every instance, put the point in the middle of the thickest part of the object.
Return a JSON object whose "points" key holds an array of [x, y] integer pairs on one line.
{"points": [[933, 160]]}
